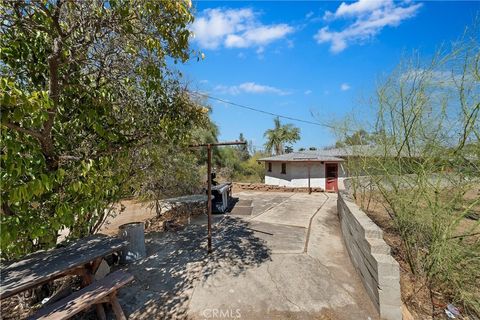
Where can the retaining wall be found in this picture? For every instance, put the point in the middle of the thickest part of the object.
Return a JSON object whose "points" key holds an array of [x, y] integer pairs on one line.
{"points": [[371, 257]]}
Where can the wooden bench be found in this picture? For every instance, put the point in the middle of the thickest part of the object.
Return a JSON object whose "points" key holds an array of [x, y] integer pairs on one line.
{"points": [[102, 291]]}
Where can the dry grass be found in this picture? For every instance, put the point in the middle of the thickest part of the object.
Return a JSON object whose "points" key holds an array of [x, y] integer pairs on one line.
{"points": [[423, 298]]}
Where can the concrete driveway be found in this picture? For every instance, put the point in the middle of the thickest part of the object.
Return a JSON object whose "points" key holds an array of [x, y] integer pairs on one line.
{"points": [[285, 260]]}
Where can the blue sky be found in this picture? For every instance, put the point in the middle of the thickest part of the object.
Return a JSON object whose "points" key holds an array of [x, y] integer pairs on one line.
{"points": [[314, 60]]}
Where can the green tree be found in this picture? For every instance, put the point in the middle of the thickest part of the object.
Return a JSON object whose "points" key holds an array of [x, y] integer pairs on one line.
{"points": [[359, 137], [280, 135], [84, 91], [207, 133], [243, 149], [251, 170], [288, 149]]}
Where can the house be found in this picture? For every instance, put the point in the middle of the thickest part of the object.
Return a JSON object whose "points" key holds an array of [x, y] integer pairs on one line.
{"points": [[324, 169]]}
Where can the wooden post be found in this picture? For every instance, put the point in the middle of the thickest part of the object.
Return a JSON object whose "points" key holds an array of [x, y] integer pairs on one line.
{"points": [[117, 309], [88, 275], [100, 311], [309, 188], [209, 198]]}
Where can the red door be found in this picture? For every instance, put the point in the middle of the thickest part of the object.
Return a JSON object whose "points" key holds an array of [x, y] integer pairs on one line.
{"points": [[331, 175]]}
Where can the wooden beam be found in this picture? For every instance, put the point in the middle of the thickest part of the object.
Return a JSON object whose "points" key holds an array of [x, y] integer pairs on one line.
{"points": [[117, 309]]}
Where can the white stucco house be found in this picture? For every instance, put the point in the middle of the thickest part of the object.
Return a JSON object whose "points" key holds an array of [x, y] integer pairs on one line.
{"points": [[324, 169]]}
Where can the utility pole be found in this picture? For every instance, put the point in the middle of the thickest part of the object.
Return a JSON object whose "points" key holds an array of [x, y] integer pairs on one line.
{"points": [[209, 187]]}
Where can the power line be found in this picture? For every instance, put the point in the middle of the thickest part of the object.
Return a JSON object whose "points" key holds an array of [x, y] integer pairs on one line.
{"points": [[260, 111]]}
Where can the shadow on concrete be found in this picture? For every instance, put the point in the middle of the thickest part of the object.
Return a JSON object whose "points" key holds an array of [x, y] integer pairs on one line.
{"points": [[165, 280]]}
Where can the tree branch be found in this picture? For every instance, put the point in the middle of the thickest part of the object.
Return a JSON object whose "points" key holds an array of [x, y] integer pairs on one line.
{"points": [[17, 128]]}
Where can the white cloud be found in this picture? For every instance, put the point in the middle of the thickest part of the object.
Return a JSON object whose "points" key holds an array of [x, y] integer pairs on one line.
{"points": [[344, 87], [250, 87], [235, 28], [359, 7], [370, 17], [307, 92]]}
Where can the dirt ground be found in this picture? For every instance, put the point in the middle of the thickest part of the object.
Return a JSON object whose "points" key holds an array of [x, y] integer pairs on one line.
{"points": [[133, 211]]}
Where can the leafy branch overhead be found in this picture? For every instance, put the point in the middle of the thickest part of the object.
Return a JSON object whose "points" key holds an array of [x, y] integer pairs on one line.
{"points": [[85, 87]]}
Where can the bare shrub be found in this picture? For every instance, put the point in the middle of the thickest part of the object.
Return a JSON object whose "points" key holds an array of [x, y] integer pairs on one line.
{"points": [[425, 163]]}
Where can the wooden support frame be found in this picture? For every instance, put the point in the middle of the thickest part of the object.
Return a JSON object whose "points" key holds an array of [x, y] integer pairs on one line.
{"points": [[209, 183], [117, 309], [97, 293]]}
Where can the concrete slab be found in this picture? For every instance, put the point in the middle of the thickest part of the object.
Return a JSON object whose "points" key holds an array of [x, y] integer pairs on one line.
{"points": [[309, 272], [280, 238], [241, 211], [262, 201], [287, 262], [243, 203], [293, 211]]}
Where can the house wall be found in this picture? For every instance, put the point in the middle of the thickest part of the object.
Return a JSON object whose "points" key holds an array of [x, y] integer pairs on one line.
{"points": [[297, 174]]}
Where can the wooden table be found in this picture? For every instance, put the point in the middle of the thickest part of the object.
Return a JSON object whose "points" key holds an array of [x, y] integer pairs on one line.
{"points": [[81, 258]]}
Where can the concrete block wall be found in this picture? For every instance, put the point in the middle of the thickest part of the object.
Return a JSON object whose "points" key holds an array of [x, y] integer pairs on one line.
{"points": [[371, 257]]}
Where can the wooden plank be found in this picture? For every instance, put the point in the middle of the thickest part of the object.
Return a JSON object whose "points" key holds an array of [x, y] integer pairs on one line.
{"points": [[44, 266], [117, 309], [84, 298], [100, 312]]}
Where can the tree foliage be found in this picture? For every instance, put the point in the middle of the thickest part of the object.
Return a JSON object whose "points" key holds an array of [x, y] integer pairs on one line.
{"points": [[280, 135], [243, 152], [85, 89], [359, 137], [289, 149]]}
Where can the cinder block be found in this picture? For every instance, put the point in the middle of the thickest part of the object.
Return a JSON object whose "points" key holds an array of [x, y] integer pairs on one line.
{"points": [[387, 266], [378, 246], [390, 283], [390, 296], [389, 312]]}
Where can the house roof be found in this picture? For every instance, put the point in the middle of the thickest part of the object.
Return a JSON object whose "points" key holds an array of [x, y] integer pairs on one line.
{"points": [[335, 154], [301, 157]]}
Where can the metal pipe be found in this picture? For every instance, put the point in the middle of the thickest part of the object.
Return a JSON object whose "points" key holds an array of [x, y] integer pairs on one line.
{"points": [[209, 183], [228, 143], [209, 197]]}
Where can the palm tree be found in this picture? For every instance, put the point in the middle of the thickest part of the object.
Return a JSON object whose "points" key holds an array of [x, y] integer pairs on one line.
{"points": [[280, 135]]}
